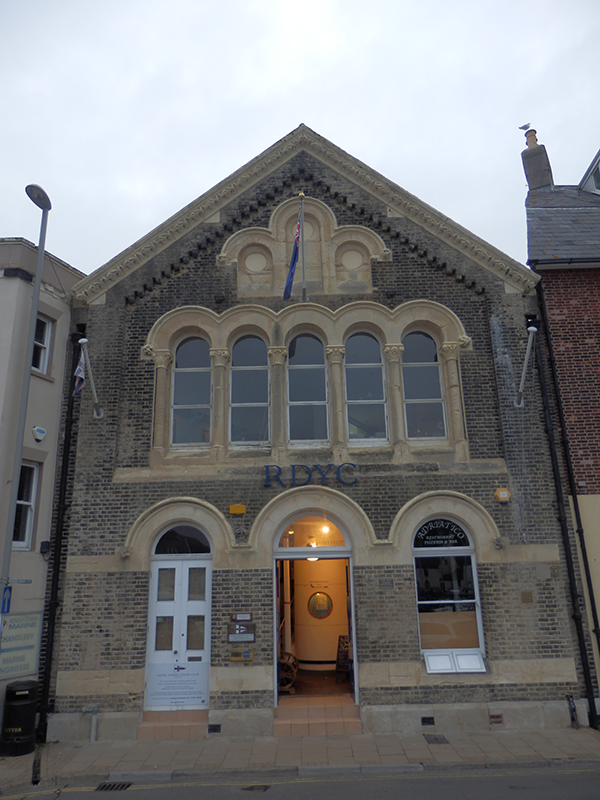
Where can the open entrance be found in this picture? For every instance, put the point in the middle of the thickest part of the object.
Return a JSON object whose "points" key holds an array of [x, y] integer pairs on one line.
{"points": [[314, 609]]}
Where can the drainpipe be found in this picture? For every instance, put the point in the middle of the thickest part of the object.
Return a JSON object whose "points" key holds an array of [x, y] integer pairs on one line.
{"points": [[564, 527], [569, 462], [53, 603]]}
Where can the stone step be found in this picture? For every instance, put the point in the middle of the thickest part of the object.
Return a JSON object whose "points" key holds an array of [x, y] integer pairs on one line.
{"points": [[316, 717], [159, 725], [329, 727]]}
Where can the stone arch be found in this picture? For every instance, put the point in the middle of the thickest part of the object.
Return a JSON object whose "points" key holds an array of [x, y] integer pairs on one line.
{"points": [[480, 525], [356, 524], [178, 510], [433, 317]]}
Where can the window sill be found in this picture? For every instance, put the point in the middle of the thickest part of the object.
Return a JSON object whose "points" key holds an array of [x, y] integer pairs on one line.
{"points": [[43, 376]]}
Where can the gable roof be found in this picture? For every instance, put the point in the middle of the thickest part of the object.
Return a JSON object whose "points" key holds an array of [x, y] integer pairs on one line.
{"points": [[304, 139], [563, 226]]}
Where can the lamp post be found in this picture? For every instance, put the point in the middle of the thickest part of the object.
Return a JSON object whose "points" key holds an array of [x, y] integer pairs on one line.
{"points": [[38, 196]]}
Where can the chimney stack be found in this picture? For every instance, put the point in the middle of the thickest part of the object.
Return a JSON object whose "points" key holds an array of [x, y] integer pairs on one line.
{"points": [[536, 163]]}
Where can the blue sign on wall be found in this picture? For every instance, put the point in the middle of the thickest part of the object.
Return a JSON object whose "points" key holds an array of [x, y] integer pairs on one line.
{"points": [[6, 595]]}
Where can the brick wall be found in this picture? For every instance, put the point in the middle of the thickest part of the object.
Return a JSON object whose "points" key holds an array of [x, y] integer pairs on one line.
{"points": [[573, 302]]}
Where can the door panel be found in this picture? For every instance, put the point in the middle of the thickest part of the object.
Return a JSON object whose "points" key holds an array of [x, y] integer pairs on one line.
{"points": [[178, 661]]}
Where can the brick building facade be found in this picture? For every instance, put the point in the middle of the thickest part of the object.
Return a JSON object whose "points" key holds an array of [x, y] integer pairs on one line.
{"points": [[270, 477], [563, 226]]}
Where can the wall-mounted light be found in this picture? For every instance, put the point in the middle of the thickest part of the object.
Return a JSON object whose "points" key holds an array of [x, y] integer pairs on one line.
{"points": [[533, 325]]}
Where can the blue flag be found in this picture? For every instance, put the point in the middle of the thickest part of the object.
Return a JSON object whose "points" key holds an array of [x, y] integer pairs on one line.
{"points": [[290, 278]]}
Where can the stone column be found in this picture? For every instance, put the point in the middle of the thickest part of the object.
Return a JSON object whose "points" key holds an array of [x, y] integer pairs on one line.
{"points": [[277, 358], [395, 395], [337, 434], [454, 407], [220, 357], [162, 361]]}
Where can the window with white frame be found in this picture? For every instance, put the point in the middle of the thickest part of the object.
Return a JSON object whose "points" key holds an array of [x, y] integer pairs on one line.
{"points": [[192, 396], [307, 389], [449, 610], [41, 345], [249, 391], [423, 398], [25, 511], [365, 388]]}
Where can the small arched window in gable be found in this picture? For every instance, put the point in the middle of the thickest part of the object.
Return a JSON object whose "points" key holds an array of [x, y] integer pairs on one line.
{"points": [[423, 396], [191, 393], [365, 388], [307, 389], [249, 391]]}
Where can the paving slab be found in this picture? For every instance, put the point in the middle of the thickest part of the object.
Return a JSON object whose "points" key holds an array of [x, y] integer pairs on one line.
{"points": [[170, 759]]}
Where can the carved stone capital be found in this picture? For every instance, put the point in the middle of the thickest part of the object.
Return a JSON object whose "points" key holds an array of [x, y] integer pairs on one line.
{"points": [[335, 353], [450, 349], [220, 356], [163, 358], [277, 355], [393, 352]]}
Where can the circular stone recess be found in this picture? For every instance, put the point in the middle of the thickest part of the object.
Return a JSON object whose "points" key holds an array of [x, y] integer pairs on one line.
{"points": [[352, 259], [256, 262]]}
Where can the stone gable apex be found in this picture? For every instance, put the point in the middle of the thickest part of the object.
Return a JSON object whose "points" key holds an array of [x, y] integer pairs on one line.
{"points": [[398, 201]]}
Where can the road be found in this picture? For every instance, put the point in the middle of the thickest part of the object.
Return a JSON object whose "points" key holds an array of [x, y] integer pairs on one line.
{"points": [[580, 781]]}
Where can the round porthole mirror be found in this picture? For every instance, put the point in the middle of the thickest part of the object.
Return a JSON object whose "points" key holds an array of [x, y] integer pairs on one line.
{"points": [[320, 605]]}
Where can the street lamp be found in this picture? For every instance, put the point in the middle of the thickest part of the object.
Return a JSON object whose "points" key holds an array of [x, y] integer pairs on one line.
{"points": [[38, 196]]}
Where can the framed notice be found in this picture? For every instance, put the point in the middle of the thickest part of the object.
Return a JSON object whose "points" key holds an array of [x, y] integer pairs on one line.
{"points": [[20, 644]]}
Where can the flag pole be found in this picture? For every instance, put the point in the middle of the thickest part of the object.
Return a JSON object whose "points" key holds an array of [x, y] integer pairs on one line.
{"points": [[304, 297]]}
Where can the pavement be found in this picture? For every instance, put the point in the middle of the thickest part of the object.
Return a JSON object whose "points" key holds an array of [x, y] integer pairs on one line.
{"points": [[61, 764]]}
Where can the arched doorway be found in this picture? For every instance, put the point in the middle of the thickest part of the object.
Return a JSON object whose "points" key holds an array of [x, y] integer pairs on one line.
{"points": [[178, 655], [314, 607]]}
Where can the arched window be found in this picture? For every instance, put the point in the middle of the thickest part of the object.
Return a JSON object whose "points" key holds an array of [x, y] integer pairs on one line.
{"points": [[249, 391], [182, 540], [307, 389], [448, 604], [423, 397], [365, 388], [191, 393]]}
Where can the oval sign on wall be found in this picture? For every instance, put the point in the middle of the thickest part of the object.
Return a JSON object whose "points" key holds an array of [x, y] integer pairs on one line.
{"points": [[320, 605]]}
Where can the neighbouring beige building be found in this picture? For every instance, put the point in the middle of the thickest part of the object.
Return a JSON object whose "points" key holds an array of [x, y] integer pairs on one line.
{"points": [[32, 532]]}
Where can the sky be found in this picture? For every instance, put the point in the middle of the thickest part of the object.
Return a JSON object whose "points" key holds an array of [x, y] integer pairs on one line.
{"points": [[125, 111]]}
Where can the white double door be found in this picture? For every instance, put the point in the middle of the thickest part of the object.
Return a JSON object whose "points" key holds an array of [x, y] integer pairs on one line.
{"points": [[178, 658]]}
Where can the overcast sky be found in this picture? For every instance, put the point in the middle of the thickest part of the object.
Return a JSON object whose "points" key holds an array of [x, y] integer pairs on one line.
{"points": [[127, 110]]}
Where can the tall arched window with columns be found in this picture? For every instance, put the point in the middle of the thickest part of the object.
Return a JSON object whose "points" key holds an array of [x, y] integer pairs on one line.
{"points": [[365, 388], [192, 396], [249, 391], [307, 389], [423, 394]]}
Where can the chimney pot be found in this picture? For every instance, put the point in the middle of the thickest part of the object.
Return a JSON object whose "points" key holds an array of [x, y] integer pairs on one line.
{"points": [[531, 138]]}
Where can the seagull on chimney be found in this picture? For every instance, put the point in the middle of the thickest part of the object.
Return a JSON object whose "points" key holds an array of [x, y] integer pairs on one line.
{"points": [[525, 127]]}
